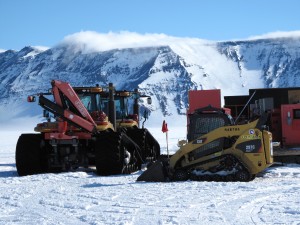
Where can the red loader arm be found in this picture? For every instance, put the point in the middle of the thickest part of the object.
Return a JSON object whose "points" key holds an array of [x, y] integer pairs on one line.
{"points": [[68, 106]]}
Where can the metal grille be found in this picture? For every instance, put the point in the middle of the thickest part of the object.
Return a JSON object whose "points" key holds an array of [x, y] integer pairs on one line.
{"points": [[203, 125]]}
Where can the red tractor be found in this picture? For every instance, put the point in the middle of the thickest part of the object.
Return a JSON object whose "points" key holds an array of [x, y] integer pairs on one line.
{"points": [[82, 135]]}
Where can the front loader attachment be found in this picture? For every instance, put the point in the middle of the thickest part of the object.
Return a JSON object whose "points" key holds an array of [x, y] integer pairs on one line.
{"points": [[157, 172]]}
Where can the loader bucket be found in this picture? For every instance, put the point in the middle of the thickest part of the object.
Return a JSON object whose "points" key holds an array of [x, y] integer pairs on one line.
{"points": [[157, 172]]}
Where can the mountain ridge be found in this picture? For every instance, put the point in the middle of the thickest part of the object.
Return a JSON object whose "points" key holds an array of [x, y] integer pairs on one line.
{"points": [[165, 72]]}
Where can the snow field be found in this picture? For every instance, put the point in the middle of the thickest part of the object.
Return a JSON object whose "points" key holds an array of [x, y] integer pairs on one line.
{"points": [[85, 198]]}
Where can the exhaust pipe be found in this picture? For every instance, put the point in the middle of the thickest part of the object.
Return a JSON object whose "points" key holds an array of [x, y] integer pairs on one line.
{"points": [[111, 106], [136, 108]]}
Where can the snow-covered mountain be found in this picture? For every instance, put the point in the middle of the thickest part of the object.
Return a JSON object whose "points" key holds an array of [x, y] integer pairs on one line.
{"points": [[165, 69]]}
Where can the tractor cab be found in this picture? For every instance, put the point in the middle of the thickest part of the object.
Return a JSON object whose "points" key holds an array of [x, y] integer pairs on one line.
{"points": [[96, 100], [90, 97], [93, 99], [125, 115], [204, 120]]}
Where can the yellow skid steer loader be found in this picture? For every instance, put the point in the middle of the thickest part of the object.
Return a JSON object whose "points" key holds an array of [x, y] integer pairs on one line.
{"points": [[216, 150]]}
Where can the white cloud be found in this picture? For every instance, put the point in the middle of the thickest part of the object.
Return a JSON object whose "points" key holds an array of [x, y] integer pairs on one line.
{"points": [[40, 48], [2, 50], [90, 41], [277, 35]]}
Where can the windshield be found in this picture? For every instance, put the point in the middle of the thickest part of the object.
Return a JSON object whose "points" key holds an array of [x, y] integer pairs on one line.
{"points": [[120, 105], [90, 101], [94, 102], [120, 108]]}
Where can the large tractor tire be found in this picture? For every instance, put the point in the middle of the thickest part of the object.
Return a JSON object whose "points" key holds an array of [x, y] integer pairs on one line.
{"points": [[115, 153], [150, 148], [30, 157]]}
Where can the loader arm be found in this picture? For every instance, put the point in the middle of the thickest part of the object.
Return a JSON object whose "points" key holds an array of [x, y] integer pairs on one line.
{"points": [[68, 106], [66, 115]]}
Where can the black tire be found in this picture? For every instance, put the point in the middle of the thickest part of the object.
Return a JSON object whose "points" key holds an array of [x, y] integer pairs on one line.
{"points": [[110, 153], [30, 157]]}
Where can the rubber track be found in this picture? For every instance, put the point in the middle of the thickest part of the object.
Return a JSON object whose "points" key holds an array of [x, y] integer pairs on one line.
{"points": [[179, 174], [150, 149], [109, 157]]}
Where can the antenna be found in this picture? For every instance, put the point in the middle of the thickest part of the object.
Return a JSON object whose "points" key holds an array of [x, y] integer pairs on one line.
{"points": [[245, 107]]}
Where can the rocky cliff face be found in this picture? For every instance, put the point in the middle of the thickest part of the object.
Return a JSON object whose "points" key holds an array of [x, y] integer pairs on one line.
{"points": [[276, 59], [164, 72]]}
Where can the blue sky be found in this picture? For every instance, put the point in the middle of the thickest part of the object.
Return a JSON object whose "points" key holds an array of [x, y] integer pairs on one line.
{"points": [[47, 22]]}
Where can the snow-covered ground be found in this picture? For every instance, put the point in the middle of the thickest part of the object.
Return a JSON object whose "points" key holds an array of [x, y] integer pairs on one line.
{"points": [[85, 198]]}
